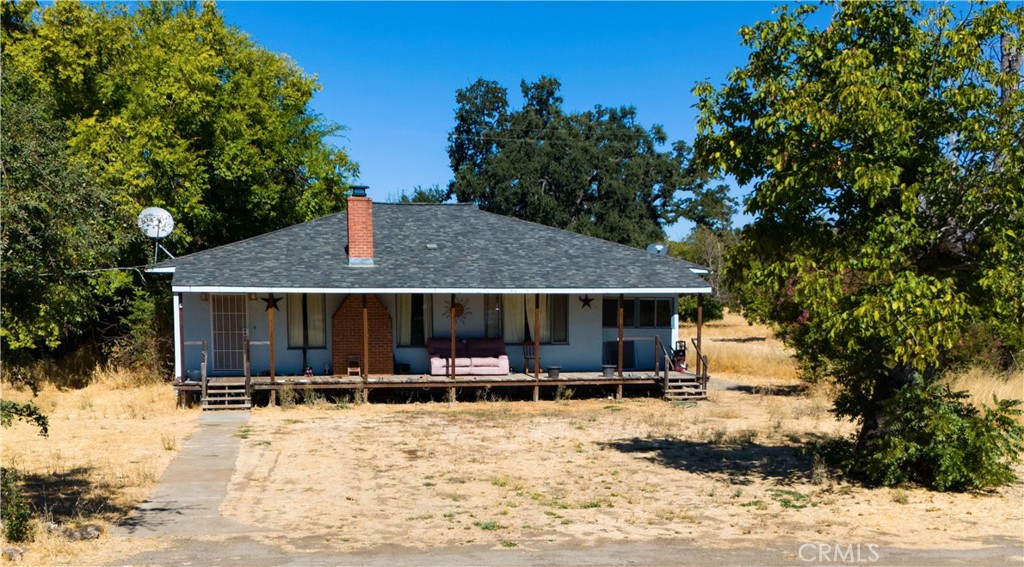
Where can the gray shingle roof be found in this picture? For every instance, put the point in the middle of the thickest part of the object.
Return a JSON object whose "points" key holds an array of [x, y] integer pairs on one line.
{"points": [[474, 250]]}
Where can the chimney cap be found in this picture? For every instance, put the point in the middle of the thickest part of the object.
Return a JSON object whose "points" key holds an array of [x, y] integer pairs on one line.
{"points": [[359, 190]]}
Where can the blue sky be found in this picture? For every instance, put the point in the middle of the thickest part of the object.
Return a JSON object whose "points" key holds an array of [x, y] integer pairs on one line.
{"points": [[390, 70]]}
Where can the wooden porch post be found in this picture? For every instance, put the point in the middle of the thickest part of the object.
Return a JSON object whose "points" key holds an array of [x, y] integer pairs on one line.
{"points": [[179, 345], [248, 366], [365, 366], [451, 361], [366, 340], [271, 302], [622, 319], [700, 326], [536, 345], [270, 323]]}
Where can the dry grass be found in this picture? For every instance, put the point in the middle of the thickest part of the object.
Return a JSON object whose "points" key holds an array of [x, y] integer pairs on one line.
{"points": [[108, 445], [119, 377], [506, 474], [737, 348], [439, 475], [982, 383]]}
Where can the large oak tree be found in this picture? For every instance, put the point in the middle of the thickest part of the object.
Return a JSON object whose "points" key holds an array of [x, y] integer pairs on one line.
{"points": [[599, 173]]}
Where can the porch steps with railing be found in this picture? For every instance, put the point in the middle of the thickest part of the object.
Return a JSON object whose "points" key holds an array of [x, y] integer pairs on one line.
{"points": [[679, 386], [226, 394]]}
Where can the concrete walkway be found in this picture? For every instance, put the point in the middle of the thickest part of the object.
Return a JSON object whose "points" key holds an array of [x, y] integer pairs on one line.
{"points": [[187, 499]]}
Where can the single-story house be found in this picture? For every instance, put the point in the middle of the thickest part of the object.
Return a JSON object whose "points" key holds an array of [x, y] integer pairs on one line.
{"points": [[382, 289]]}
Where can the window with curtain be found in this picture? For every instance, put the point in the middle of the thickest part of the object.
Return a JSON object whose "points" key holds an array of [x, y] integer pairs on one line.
{"points": [[519, 312], [492, 316], [414, 314], [307, 324]]}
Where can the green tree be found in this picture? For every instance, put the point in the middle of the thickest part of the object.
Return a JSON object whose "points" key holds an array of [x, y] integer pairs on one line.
{"points": [[433, 194], [598, 173], [885, 151], [163, 104], [52, 226], [707, 248]]}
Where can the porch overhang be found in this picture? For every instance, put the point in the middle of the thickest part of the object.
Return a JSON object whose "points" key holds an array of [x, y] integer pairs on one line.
{"points": [[441, 290]]}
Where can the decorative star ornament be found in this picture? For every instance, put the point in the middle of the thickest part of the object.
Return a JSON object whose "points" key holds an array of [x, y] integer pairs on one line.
{"points": [[271, 301], [586, 300]]}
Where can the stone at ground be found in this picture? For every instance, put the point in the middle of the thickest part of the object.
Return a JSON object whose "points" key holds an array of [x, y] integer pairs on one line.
{"points": [[12, 553]]}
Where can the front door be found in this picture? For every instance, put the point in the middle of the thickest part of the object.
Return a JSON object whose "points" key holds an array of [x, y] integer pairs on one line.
{"points": [[229, 324]]}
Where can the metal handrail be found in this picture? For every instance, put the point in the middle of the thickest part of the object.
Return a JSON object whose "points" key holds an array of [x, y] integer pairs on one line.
{"points": [[659, 349], [703, 371]]}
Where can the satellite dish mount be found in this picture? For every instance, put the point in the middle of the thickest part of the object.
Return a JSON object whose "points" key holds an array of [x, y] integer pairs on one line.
{"points": [[156, 224], [657, 249]]}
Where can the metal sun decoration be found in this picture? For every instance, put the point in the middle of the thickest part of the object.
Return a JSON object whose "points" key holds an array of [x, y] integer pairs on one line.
{"points": [[461, 312]]}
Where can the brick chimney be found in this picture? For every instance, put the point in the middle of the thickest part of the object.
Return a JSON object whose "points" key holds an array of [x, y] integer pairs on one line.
{"points": [[360, 228]]}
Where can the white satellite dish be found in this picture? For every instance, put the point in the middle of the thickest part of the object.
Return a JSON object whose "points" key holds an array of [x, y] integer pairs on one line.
{"points": [[657, 249], [156, 224]]}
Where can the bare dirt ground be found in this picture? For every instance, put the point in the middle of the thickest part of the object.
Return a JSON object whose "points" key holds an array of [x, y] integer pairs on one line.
{"points": [[583, 472], [636, 480]]}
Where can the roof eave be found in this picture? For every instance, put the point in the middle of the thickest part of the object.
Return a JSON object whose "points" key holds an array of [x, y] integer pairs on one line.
{"points": [[440, 290]]}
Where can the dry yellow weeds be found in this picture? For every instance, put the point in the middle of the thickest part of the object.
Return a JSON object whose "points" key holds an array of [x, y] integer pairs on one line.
{"points": [[107, 447]]}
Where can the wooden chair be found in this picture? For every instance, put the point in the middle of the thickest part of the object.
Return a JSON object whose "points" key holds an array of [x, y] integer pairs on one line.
{"points": [[528, 357], [354, 369]]}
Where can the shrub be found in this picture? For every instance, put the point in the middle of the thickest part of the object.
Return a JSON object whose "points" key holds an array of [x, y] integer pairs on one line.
{"points": [[713, 310], [935, 438], [286, 396], [13, 509]]}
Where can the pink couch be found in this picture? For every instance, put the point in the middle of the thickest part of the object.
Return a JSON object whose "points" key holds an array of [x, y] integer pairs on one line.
{"points": [[473, 357]]}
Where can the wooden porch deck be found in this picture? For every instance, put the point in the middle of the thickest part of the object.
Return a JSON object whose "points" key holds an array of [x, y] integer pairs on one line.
{"points": [[428, 381], [225, 392]]}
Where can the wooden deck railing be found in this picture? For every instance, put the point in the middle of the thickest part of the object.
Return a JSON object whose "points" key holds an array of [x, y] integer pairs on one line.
{"points": [[202, 365]]}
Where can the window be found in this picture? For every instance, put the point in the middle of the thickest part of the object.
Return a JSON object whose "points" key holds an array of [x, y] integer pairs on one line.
{"points": [[647, 309], [559, 307], [306, 321], [415, 318], [610, 313], [492, 316], [664, 312], [518, 318], [638, 312]]}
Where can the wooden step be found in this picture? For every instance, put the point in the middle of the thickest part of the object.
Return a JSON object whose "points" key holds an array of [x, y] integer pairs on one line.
{"points": [[226, 396], [683, 388], [244, 406]]}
